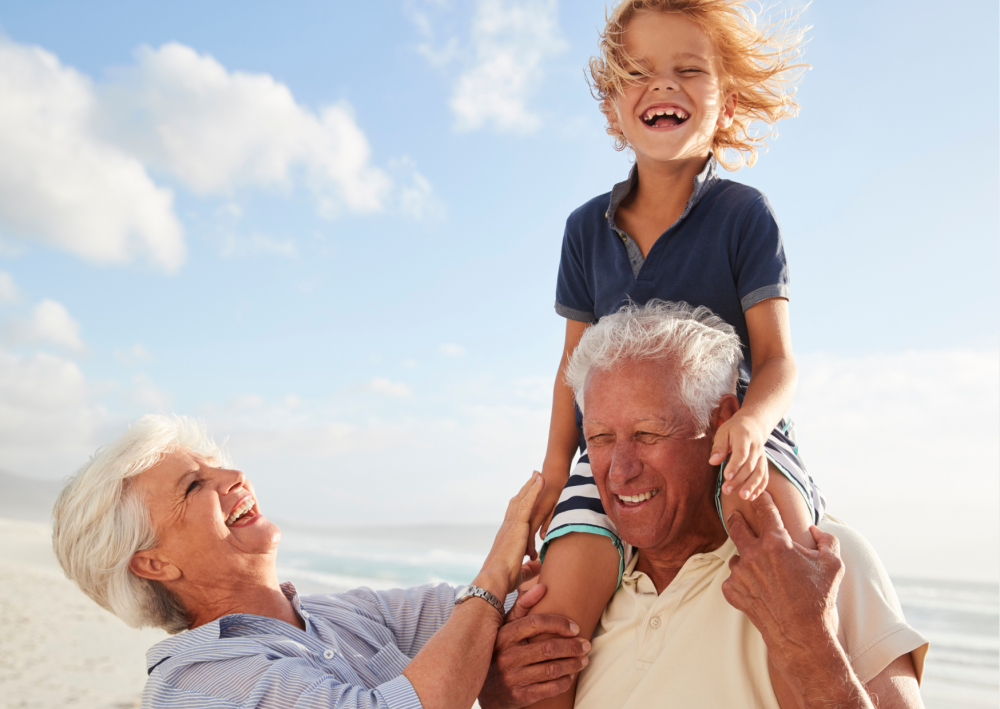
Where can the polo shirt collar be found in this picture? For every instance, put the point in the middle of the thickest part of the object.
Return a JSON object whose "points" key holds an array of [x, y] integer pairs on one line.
{"points": [[703, 182], [638, 581]]}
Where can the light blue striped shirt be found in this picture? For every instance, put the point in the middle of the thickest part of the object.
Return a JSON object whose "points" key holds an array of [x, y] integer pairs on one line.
{"points": [[351, 654]]}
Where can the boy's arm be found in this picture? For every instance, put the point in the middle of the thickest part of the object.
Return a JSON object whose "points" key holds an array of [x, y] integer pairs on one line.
{"points": [[772, 385], [563, 435]]}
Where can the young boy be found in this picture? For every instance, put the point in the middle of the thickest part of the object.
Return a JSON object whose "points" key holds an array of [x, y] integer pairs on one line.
{"points": [[680, 82]]}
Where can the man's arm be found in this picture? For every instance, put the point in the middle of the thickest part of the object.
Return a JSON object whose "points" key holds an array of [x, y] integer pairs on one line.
{"points": [[789, 593]]}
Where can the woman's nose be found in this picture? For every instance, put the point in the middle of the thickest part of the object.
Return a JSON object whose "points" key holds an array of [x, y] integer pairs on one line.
{"points": [[232, 479]]}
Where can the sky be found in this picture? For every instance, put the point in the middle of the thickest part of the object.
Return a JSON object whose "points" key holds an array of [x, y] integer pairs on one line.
{"points": [[331, 231]]}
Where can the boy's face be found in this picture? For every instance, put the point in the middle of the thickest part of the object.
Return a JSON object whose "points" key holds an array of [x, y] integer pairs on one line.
{"points": [[673, 114]]}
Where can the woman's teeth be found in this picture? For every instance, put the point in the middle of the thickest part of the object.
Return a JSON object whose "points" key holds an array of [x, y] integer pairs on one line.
{"points": [[642, 496], [243, 507]]}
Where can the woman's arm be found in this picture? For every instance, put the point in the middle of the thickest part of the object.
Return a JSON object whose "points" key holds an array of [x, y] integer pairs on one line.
{"points": [[450, 669], [563, 435]]}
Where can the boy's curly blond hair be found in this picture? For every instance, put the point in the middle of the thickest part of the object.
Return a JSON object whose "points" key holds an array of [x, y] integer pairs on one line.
{"points": [[759, 64]]}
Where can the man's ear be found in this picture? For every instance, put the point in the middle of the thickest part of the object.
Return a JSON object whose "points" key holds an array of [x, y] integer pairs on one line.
{"points": [[726, 408], [728, 111], [151, 565]]}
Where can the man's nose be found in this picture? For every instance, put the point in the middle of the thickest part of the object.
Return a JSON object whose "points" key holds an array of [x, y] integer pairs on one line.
{"points": [[625, 463]]}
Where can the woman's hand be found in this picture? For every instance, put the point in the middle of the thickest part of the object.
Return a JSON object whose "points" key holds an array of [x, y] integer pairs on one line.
{"points": [[502, 571], [742, 439], [541, 515]]}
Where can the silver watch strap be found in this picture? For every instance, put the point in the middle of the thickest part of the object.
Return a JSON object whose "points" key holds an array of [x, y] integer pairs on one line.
{"points": [[481, 593]]}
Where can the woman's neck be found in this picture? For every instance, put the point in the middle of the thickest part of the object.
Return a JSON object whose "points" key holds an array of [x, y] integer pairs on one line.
{"points": [[252, 596]]}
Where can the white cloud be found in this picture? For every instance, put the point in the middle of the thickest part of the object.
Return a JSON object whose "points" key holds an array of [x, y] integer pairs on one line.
{"points": [[49, 323], [510, 40], [64, 186], [906, 448], [145, 396], [380, 385], [450, 349], [8, 291], [135, 354], [258, 245], [217, 130], [48, 425]]}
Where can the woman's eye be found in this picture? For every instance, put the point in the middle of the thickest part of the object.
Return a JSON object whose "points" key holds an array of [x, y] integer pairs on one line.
{"points": [[192, 487]]}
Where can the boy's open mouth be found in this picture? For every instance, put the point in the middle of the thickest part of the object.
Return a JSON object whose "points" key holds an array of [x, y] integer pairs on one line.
{"points": [[664, 116]]}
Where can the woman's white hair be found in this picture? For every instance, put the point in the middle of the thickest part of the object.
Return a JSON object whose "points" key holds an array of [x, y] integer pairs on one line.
{"points": [[99, 521], [704, 347]]}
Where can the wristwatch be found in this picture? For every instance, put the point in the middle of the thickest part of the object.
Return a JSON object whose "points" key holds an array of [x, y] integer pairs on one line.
{"points": [[467, 592]]}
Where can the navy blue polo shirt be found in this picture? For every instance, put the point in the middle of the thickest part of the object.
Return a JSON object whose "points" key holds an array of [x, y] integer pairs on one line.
{"points": [[723, 252]]}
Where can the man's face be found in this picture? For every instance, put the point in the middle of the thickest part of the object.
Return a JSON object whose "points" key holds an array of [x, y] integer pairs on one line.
{"points": [[207, 520], [648, 458]]}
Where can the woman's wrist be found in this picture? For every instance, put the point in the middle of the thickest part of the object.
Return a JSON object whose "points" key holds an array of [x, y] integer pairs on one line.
{"points": [[496, 583]]}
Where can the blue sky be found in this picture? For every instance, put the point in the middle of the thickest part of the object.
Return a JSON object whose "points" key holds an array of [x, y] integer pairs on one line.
{"points": [[332, 232]]}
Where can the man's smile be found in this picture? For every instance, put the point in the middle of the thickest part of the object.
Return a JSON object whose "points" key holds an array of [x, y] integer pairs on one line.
{"points": [[636, 499]]}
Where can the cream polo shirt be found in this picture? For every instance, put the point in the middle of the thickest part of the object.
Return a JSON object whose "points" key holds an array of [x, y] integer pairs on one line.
{"points": [[687, 647]]}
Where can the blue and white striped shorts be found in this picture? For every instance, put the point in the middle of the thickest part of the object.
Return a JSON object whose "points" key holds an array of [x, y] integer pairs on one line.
{"points": [[580, 510]]}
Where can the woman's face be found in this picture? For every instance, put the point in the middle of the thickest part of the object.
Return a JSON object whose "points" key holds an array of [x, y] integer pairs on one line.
{"points": [[210, 531]]}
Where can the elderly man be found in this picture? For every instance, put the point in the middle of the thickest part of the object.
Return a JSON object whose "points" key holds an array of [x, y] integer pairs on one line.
{"points": [[159, 529], [698, 614]]}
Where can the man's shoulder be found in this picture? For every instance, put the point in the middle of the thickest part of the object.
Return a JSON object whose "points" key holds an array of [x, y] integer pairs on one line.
{"points": [[853, 544]]}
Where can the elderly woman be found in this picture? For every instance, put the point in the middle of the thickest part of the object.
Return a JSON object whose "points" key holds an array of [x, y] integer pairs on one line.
{"points": [[160, 530]]}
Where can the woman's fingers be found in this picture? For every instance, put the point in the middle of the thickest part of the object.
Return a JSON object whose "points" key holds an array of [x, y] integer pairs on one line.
{"points": [[527, 503]]}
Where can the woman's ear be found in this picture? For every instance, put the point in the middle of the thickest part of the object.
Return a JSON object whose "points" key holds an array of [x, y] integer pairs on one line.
{"points": [[728, 111], [150, 565]]}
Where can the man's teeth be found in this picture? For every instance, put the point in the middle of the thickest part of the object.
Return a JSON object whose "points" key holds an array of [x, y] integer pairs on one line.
{"points": [[638, 498], [244, 507], [652, 113]]}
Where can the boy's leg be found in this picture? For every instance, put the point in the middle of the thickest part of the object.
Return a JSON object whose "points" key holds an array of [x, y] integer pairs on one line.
{"points": [[580, 573]]}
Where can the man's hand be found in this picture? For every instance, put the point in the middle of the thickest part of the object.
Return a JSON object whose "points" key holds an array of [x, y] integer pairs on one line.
{"points": [[523, 673], [787, 591]]}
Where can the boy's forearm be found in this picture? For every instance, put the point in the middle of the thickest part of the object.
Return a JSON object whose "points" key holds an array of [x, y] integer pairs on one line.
{"points": [[771, 390], [564, 436]]}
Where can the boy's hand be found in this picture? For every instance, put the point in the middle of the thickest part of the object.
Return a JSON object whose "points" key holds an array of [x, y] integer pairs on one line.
{"points": [[742, 440], [544, 507]]}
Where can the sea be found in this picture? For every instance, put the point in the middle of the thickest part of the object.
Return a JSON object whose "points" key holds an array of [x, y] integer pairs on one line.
{"points": [[961, 619]]}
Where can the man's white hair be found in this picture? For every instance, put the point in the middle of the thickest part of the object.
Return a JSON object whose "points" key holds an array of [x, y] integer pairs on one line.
{"points": [[703, 347], [99, 521]]}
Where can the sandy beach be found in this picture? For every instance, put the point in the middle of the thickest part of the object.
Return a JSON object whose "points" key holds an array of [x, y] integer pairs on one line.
{"points": [[57, 647]]}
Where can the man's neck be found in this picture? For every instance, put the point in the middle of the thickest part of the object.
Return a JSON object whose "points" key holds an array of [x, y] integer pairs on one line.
{"points": [[701, 533]]}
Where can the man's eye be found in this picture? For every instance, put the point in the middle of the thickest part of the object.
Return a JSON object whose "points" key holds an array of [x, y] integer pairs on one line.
{"points": [[599, 439], [644, 437]]}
